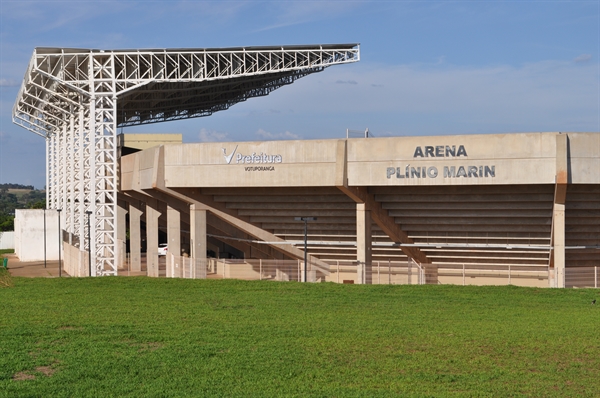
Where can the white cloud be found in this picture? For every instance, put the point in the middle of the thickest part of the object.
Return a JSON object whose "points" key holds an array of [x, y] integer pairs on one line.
{"points": [[420, 88], [8, 83], [212, 136], [277, 136], [583, 58], [291, 13], [446, 99]]}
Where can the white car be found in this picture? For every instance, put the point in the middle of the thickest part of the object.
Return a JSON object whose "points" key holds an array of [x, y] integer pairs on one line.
{"points": [[162, 249]]}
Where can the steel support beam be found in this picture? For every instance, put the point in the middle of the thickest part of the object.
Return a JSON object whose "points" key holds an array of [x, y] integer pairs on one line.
{"points": [[76, 98]]}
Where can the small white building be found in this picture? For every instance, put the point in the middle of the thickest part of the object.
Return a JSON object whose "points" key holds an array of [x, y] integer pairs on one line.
{"points": [[36, 233], [7, 240]]}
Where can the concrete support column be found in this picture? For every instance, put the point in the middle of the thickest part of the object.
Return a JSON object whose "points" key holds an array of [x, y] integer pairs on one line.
{"points": [[121, 246], [135, 238], [363, 244], [198, 235], [173, 239], [558, 213], [559, 244], [152, 216]]}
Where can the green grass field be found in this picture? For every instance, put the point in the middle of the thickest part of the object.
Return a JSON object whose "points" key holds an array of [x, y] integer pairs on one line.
{"points": [[105, 337]]}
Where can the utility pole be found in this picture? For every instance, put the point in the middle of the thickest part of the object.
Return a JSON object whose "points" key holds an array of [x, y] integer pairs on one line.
{"points": [[89, 213], [59, 244]]}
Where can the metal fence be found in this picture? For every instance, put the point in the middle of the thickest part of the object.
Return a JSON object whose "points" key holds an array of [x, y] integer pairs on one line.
{"points": [[470, 274], [380, 272], [275, 270], [187, 267]]}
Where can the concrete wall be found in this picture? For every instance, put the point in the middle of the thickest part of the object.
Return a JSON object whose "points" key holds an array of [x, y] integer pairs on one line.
{"points": [[145, 141], [486, 159], [494, 159], [75, 261], [7, 240], [29, 234], [584, 156], [269, 163]]}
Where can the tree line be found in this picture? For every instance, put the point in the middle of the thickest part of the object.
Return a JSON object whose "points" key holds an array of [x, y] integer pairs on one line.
{"points": [[10, 201], [16, 186]]}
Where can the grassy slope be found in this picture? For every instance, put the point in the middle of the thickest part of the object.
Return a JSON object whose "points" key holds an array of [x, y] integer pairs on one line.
{"points": [[18, 192], [174, 337]]}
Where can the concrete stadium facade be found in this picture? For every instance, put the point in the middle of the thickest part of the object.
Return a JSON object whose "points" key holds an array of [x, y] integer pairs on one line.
{"points": [[451, 207]]}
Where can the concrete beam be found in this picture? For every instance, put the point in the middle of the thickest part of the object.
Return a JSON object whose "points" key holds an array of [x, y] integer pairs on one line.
{"points": [[562, 168], [384, 221], [135, 236], [152, 215], [363, 243], [557, 254], [173, 236], [198, 232]]}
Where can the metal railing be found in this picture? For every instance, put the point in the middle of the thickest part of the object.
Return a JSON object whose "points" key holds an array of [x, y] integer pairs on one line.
{"points": [[187, 267], [379, 272], [275, 270]]}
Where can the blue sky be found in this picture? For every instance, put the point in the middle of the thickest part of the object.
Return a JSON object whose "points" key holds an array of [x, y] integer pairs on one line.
{"points": [[427, 67]]}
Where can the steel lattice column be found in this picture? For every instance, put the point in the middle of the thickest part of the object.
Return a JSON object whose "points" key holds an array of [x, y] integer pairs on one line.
{"points": [[69, 97]]}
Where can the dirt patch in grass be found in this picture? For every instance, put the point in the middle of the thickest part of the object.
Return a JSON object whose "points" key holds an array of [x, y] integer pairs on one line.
{"points": [[152, 346], [144, 347], [23, 376], [31, 374], [46, 370], [70, 328]]}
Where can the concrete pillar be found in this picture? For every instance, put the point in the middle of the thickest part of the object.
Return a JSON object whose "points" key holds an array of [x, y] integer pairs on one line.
{"points": [[121, 236], [558, 213], [198, 235], [152, 216], [363, 244], [173, 238], [559, 244], [135, 238]]}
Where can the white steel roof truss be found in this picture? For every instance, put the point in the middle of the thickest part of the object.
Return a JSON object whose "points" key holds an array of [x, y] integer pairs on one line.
{"points": [[70, 98]]}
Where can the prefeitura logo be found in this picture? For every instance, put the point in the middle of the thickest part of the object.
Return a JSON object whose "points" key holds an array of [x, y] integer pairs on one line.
{"points": [[229, 157], [254, 158]]}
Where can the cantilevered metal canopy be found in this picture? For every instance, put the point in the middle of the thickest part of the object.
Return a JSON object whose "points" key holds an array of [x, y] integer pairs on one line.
{"points": [[77, 98]]}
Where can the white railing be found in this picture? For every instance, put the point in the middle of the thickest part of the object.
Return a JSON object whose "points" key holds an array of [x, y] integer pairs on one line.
{"points": [[381, 272], [520, 275], [187, 267], [275, 270]]}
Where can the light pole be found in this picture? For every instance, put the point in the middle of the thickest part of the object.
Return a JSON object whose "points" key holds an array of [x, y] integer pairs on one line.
{"points": [[89, 213], [44, 237], [59, 244], [306, 220]]}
